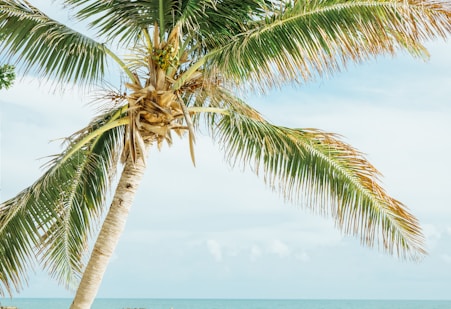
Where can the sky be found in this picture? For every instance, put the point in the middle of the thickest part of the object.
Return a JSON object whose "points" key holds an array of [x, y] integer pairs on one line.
{"points": [[211, 231]]}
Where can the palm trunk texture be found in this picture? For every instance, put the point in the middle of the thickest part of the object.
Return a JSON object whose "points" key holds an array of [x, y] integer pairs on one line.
{"points": [[109, 235]]}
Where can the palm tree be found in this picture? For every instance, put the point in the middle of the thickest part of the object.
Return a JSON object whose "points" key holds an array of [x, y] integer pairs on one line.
{"points": [[187, 62], [7, 74]]}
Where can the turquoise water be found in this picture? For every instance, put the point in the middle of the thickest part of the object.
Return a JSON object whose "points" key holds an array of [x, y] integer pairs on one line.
{"points": [[110, 303]]}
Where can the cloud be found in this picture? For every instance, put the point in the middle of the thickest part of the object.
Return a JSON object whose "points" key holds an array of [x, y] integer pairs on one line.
{"points": [[446, 258], [431, 231], [255, 252], [279, 248], [448, 230], [302, 256], [215, 249]]}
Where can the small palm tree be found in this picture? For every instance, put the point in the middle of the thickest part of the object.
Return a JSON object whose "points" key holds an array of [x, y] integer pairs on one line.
{"points": [[186, 62], [7, 74]]}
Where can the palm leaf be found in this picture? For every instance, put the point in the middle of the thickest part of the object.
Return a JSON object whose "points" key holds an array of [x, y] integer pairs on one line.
{"points": [[19, 236], [214, 23], [204, 19], [123, 19], [311, 38], [48, 47], [320, 172], [54, 217]]}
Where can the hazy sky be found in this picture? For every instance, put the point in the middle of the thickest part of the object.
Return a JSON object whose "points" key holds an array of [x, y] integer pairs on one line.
{"points": [[210, 231]]}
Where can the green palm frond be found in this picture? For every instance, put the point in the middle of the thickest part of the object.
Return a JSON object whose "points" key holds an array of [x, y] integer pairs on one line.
{"points": [[207, 20], [54, 217], [123, 19], [48, 47], [316, 37], [212, 101], [320, 172], [7, 76], [19, 237], [214, 23]]}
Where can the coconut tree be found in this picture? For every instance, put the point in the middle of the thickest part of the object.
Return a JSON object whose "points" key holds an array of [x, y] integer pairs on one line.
{"points": [[7, 75], [186, 63]]}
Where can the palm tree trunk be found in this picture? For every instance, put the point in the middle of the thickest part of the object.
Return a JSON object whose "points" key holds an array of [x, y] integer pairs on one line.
{"points": [[109, 235]]}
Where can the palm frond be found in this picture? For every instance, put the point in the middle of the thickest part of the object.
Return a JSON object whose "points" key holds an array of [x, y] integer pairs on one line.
{"points": [[7, 76], [214, 23], [19, 237], [207, 20], [321, 172], [46, 46], [318, 37], [54, 217], [217, 99], [123, 19]]}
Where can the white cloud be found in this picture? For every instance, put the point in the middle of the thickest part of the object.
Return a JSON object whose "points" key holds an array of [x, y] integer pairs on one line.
{"points": [[279, 248], [431, 231], [448, 230], [255, 252], [446, 258], [302, 256], [215, 249]]}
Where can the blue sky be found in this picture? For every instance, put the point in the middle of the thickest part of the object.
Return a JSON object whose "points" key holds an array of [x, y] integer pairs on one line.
{"points": [[216, 232]]}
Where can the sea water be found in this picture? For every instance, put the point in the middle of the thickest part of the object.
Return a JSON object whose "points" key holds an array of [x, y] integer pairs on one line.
{"points": [[139, 303]]}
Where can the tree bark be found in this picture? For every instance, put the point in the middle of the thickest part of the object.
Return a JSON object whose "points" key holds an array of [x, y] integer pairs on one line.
{"points": [[109, 235]]}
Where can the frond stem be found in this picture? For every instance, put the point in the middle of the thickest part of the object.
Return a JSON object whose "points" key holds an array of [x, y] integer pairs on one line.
{"points": [[190, 125], [147, 37], [192, 69], [161, 15], [336, 7], [103, 129], [216, 110], [120, 62]]}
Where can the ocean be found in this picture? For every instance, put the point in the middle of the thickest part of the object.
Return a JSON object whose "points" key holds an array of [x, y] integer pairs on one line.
{"points": [[140, 303]]}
